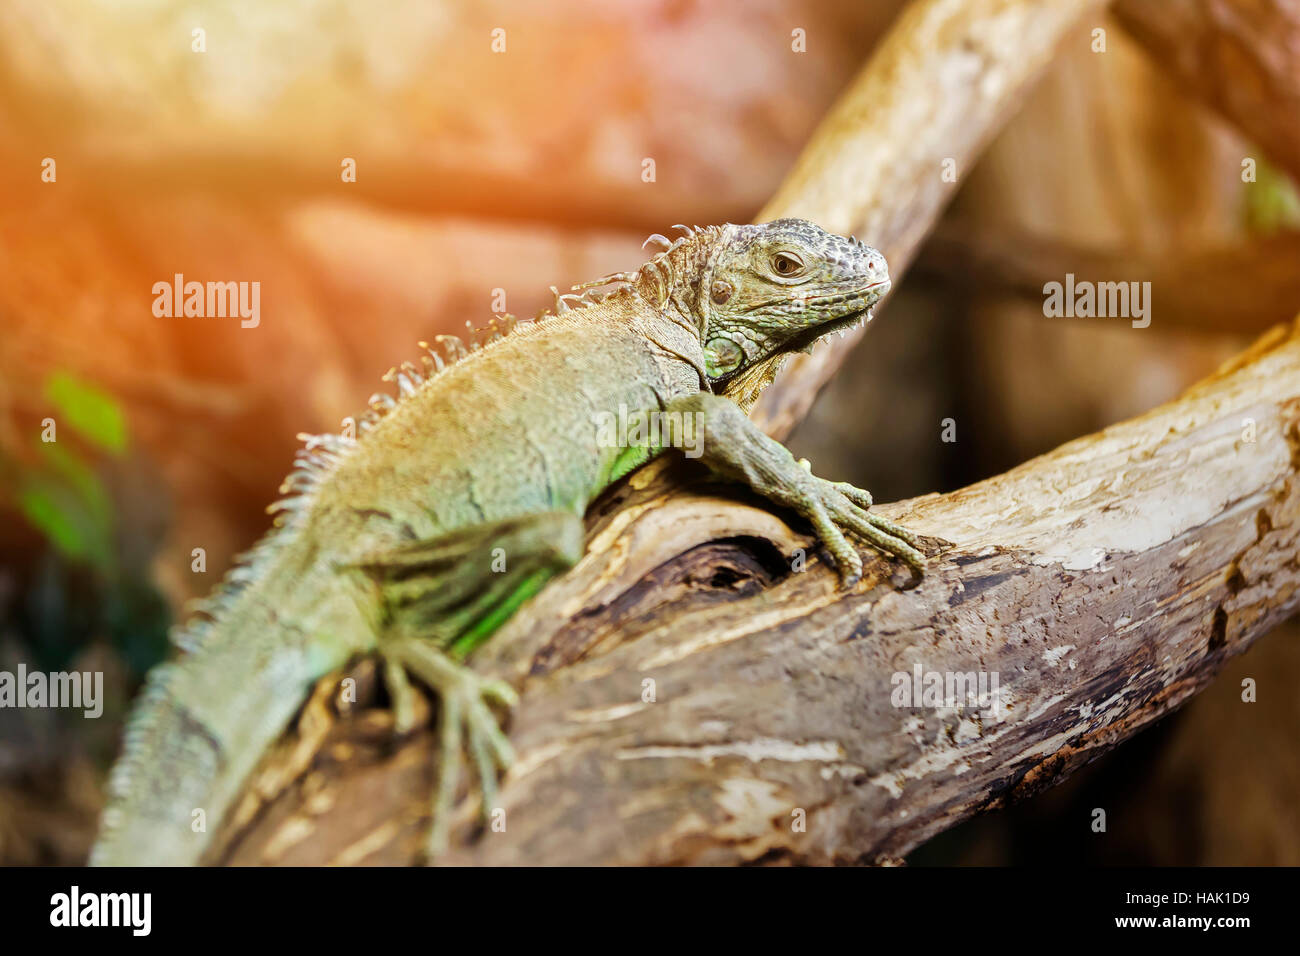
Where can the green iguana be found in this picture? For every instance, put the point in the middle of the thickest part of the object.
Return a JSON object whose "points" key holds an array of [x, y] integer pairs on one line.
{"points": [[386, 542]]}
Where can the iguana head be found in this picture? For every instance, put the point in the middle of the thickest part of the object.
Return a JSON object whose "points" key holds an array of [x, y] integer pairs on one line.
{"points": [[777, 288]]}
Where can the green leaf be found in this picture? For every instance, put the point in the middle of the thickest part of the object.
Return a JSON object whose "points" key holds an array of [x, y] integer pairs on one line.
{"points": [[1272, 203], [89, 411], [67, 468], [56, 523], [67, 502]]}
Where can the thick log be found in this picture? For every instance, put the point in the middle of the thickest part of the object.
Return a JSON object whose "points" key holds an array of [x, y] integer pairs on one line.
{"points": [[689, 698]]}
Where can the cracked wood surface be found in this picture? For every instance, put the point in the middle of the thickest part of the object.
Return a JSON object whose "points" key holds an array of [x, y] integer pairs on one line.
{"points": [[1104, 583]]}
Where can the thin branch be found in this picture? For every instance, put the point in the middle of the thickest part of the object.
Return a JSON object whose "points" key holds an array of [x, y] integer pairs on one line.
{"points": [[941, 84], [1242, 288], [1241, 59]]}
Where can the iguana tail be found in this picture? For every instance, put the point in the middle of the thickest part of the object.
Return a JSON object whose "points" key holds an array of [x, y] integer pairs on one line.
{"points": [[189, 748], [203, 720]]}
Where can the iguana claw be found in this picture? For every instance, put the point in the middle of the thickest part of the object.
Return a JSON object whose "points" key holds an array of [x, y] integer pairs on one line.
{"points": [[844, 508]]}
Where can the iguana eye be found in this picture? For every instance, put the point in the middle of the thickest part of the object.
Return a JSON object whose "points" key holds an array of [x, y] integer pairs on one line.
{"points": [[784, 264]]}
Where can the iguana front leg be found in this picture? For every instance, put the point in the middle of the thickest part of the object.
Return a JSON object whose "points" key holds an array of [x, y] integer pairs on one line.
{"points": [[735, 448]]}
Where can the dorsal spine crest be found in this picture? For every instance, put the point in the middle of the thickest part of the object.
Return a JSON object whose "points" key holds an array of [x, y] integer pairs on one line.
{"points": [[321, 454]]}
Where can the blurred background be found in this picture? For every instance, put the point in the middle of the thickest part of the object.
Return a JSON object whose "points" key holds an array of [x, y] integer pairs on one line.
{"points": [[128, 155]]}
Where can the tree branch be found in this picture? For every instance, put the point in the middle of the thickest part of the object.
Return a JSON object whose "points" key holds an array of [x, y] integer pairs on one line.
{"points": [[937, 89], [1240, 59], [1244, 287]]}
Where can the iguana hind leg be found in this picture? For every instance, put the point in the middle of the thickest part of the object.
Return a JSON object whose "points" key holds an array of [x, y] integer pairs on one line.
{"points": [[465, 720], [444, 597]]}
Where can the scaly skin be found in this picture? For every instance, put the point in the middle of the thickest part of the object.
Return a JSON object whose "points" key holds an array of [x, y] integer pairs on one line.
{"points": [[387, 541]]}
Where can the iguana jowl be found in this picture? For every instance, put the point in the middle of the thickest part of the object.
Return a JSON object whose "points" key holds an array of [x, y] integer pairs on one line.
{"points": [[386, 542]]}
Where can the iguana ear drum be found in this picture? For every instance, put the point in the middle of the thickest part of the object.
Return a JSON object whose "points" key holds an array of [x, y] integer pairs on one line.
{"points": [[722, 355], [720, 291]]}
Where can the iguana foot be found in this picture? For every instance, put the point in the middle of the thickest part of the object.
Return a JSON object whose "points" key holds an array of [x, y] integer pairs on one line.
{"points": [[839, 513], [846, 509], [736, 449], [465, 722]]}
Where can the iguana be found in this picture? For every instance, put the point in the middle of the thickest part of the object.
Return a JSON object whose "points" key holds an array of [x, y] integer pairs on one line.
{"points": [[459, 499]]}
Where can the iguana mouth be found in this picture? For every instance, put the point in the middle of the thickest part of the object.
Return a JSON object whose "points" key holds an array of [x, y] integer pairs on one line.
{"points": [[805, 340]]}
